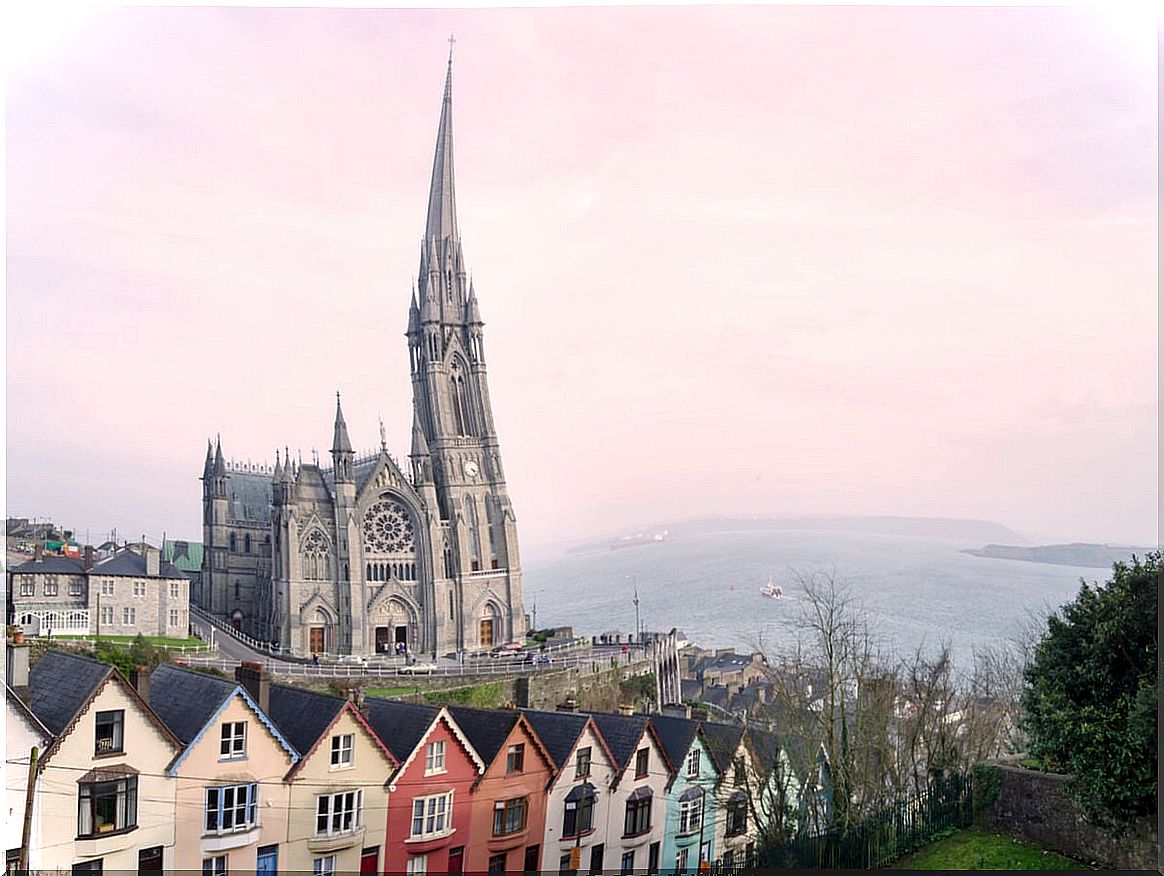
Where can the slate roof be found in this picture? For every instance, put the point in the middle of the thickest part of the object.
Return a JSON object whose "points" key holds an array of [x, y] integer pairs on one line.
{"points": [[767, 749], [302, 715], [622, 734], [59, 684], [249, 497], [185, 700], [400, 726], [689, 690], [486, 729], [676, 735], [49, 565], [132, 564], [26, 715], [722, 741], [558, 731]]}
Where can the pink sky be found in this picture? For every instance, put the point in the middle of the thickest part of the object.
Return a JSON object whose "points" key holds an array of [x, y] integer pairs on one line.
{"points": [[774, 260]]}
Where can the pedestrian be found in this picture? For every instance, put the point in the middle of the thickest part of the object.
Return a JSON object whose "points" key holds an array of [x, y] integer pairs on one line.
{"points": [[314, 659]]}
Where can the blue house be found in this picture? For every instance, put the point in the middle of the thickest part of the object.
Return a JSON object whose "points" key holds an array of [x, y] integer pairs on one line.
{"points": [[692, 810]]}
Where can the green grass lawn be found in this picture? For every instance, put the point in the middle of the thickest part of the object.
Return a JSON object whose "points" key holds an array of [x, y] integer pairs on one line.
{"points": [[160, 641], [977, 850], [389, 691]]}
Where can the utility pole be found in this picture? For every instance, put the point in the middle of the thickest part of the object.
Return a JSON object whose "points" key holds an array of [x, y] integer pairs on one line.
{"points": [[638, 635], [29, 797]]}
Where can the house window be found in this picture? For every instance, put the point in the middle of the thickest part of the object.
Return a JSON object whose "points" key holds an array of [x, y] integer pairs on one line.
{"points": [[175, 617], [323, 866], [579, 810], [139, 588], [338, 813], [432, 815], [95, 866], [128, 616], [76, 588], [693, 763], [231, 808], [627, 865], [107, 614], [109, 732], [739, 773], [51, 586], [234, 740], [341, 750], [417, 865], [653, 858], [737, 817], [638, 814], [690, 814], [497, 863], [215, 866], [509, 816], [514, 758], [434, 758], [27, 586], [107, 587], [175, 590], [681, 861], [582, 763], [642, 762], [564, 863], [104, 807]]}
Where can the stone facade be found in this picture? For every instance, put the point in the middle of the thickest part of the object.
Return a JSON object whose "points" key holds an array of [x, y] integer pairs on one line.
{"points": [[369, 555]]}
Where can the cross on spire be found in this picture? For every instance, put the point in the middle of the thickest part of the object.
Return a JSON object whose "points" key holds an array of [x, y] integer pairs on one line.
{"points": [[452, 42]]}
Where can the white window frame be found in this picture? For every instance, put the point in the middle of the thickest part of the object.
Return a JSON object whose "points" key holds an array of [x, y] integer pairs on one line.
{"points": [[341, 813], [52, 585], [343, 751], [107, 615], [76, 587], [175, 617], [324, 866], [106, 586], [434, 758], [27, 585], [139, 588], [435, 814], [690, 815], [175, 590], [128, 616], [233, 740], [244, 801], [215, 866], [417, 865], [693, 763]]}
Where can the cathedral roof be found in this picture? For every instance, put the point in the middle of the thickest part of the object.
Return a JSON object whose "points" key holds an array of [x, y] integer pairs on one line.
{"points": [[250, 497]]}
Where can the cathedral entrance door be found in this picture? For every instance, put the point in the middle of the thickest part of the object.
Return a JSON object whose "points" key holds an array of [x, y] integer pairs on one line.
{"points": [[487, 633], [401, 634], [382, 645], [315, 641]]}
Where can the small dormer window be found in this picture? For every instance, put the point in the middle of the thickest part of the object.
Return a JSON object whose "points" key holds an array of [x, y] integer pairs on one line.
{"points": [[234, 740]]}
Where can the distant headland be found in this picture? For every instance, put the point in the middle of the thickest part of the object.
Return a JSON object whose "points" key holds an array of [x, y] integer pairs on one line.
{"points": [[1091, 556]]}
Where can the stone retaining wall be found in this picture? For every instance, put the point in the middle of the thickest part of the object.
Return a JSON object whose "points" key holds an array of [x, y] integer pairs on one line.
{"points": [[1035, 806]]}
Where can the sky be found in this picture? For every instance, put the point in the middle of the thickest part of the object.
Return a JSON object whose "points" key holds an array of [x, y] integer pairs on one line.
{"points": [[731, 260]]}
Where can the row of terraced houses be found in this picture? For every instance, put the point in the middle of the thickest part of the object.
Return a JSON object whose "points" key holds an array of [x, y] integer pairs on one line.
{"points": [[181, 770]]}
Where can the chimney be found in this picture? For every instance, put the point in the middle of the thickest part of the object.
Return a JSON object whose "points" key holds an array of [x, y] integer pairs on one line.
{"points": [[677, 710], [16, 666], [153, 561], [626, 710], [139, 677], [570, 705], [88, 557], [256, 681]]}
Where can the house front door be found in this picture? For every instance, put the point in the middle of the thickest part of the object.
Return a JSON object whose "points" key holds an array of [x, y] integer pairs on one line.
{"points": [[370, 860], [456, 860], [150, 860], [267, 863]]}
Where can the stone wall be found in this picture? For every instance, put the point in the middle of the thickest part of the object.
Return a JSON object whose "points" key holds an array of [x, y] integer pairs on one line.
{"points": [[1035, 806]]}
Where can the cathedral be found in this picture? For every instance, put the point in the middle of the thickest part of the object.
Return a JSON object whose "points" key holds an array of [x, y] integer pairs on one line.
{"points": [[368, 556]]}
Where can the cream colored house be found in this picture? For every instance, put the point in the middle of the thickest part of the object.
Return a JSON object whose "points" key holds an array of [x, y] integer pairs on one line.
{"points": [[105, 802], [231, 798], [338, 788]]}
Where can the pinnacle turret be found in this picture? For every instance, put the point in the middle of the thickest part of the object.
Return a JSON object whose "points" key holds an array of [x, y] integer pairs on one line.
{"points": [[340, 443], [208, 468], [219, 462]]}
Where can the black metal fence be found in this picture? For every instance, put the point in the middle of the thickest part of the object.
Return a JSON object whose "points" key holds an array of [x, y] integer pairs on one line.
{"points": [[879, 840]]}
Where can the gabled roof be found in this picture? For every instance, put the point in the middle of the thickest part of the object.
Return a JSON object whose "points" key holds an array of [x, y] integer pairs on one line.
{"points": [[49, 565], [129, 563], [622, 733], [186, 700], [723, 740], [676, 734], [21, 709], [400, 726], [486, 729], [303, 716], [60, 684], [766, 747], [558, 731]]}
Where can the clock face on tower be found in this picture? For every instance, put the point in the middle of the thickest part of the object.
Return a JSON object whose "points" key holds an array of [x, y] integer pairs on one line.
{"points": [[387, 528], [471, 469]]}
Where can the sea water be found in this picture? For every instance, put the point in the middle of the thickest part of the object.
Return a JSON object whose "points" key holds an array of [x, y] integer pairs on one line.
{"points": [[913, 591]]}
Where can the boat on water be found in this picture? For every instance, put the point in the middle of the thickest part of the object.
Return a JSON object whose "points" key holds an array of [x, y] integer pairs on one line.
{"points": [[772, 591]]}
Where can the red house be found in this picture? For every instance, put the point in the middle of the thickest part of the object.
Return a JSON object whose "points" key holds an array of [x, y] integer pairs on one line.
{"points": [[508, 818], [429, 793]]}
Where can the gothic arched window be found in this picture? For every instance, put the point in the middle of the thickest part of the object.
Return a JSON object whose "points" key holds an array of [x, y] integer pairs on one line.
{"points": [[233, 543], [474, 535], [316, 556], [246, 544]]}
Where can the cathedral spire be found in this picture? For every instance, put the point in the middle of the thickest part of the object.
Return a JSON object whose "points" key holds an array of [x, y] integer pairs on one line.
{"points": [[219, 462], [208, 468], [340, 444], [442, 203], [419, 444]]}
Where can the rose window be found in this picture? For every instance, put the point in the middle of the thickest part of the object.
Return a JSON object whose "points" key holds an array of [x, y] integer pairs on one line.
{"points": [[387, 528]]}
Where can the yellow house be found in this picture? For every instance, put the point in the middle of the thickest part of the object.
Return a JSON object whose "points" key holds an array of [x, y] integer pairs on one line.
{"points": [[338, 789], [231, 798], [104, 798]]}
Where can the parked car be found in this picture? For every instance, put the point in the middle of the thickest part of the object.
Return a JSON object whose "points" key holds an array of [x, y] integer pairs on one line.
{"points": [[419, 669]]}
